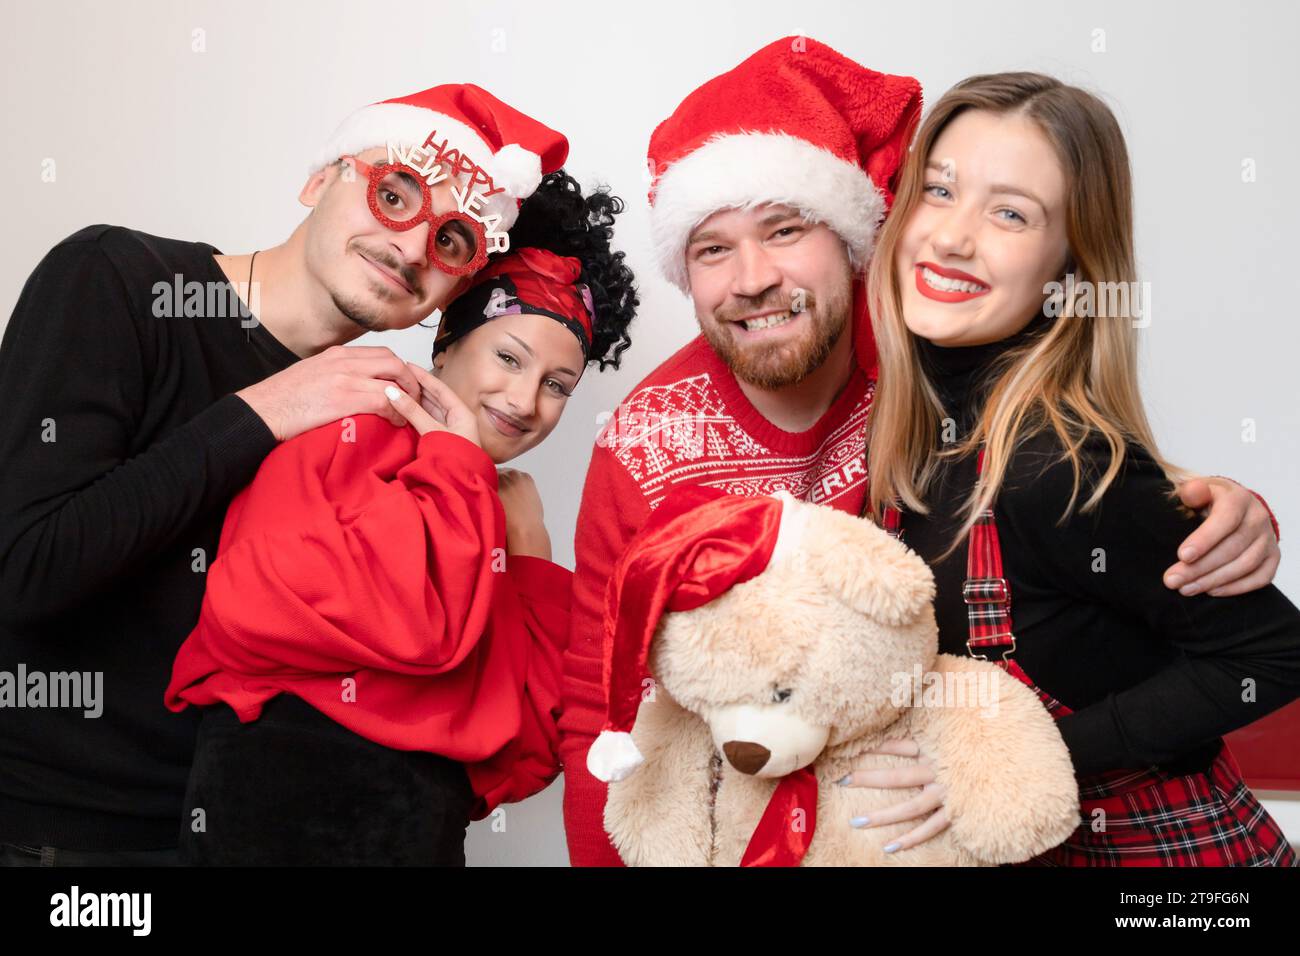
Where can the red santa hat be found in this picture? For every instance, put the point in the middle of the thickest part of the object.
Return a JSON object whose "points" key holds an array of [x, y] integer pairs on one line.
{"points": [[697, 544], [464, 121], [797, 124]]}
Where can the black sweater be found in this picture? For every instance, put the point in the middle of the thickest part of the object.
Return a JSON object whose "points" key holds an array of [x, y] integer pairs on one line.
{"points": [[1154, 678], [100, 528]]}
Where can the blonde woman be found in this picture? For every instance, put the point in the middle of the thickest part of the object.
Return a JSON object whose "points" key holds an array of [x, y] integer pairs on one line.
{"points": [[1010, 449]]}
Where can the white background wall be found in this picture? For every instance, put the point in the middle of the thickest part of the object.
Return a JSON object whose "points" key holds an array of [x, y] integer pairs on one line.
{"points": [[213, 145]]}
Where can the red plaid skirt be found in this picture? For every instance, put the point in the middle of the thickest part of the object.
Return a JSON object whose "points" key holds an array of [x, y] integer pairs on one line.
{"points": [[1155, 818]]}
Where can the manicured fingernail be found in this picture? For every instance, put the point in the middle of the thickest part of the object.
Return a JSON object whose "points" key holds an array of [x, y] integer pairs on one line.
{"points": [[892, 847], [1215, 593], [859, 822], [1175, 581], [844, 780], [1187, 554], [392, 393], [1189, 589]]}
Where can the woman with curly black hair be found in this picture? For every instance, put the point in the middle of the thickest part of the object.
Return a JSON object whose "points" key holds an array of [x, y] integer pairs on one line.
{"points": [[378, 651], [560, 267], [559, 218]]}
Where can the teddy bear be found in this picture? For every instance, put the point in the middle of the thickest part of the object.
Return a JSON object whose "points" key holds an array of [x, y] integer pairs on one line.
{"points": [[756, 649]]}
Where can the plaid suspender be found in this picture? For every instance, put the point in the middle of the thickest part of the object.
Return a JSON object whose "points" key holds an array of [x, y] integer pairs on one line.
{"points": [[986, 591]]}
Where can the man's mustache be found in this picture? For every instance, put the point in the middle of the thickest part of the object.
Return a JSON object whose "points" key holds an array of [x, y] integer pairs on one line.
{"points": [[740, 308], [386, 259]]}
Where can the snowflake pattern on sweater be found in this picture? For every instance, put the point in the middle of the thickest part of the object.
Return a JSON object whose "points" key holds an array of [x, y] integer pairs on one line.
{"points": [[683, 433]]}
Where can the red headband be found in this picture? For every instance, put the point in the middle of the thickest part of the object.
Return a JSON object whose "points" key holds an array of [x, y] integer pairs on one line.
{"points": [[524, 280]]}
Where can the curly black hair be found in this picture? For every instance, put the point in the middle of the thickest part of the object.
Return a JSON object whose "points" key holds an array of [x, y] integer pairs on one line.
{"points": [[559, 218]]}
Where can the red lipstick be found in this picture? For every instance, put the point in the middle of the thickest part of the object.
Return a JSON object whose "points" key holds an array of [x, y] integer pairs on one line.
{"points": [[948, 295]]}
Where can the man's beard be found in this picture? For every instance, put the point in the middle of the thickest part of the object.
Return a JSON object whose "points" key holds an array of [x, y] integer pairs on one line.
{"points": [[777, 365], [361, 311], [358, 312]]}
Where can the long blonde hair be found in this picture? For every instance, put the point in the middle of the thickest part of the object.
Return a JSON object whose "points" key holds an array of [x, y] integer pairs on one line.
{"points": [[1078, 377]]}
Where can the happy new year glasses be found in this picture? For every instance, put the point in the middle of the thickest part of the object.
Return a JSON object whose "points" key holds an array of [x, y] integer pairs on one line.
{"points": [[401, 199]]}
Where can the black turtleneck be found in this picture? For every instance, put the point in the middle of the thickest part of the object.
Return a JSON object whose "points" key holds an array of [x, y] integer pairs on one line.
{"points": [[1153, 677]]}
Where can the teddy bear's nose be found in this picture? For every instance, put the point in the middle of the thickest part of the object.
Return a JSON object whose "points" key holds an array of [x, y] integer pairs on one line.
{"points": [[746, 756]]}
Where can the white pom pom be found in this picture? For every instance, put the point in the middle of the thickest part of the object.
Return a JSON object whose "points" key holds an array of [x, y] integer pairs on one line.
{"points": [[517, 170], [613, 756]]}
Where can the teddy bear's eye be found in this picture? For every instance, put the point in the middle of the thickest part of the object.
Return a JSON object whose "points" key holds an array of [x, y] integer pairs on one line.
{"points": [[781, 695]]}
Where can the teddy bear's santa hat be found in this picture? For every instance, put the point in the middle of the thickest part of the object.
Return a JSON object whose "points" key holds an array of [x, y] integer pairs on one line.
{"points": [[796, 124], [514, 149], [697, 544]]}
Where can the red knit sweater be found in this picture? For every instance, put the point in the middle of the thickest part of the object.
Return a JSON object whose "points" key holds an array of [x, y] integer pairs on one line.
{"points": [[688, 422], [366, 573]]}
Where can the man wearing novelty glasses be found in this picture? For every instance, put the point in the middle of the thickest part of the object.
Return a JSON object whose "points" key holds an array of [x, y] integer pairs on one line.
{"points": [[134, 415], [401, 195]]}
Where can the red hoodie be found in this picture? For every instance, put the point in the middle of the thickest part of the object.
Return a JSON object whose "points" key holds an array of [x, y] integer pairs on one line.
{"points": [[364, 570]]}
